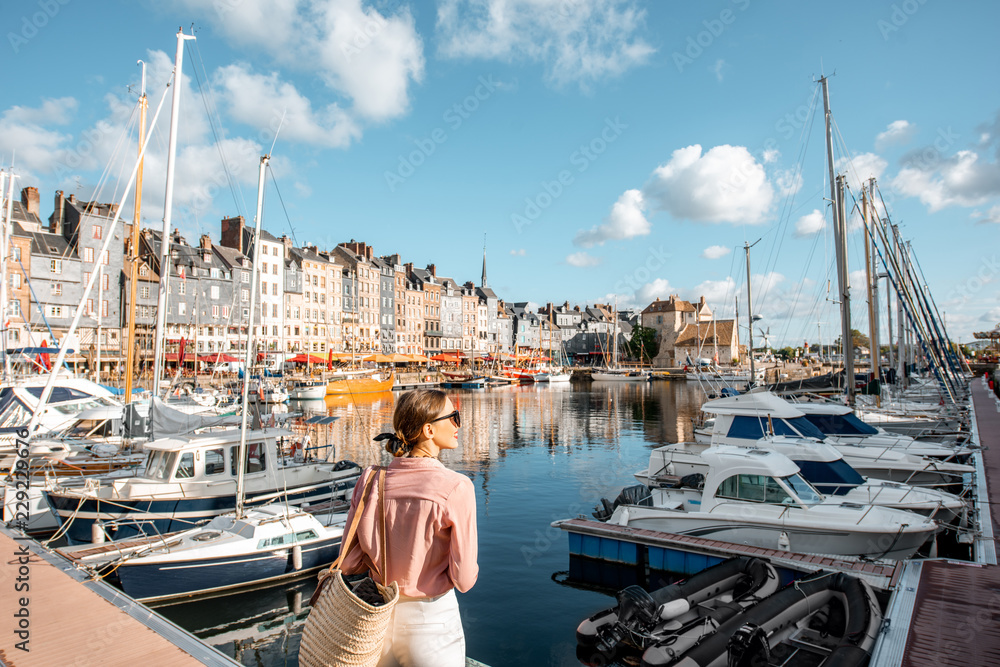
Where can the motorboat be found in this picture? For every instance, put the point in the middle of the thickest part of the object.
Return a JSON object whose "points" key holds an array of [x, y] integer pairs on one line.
{"points": [[307, 390], [746, 418], [826, 618], [679, 615], [821, 465], [620, 375], [268, 544], [367, 384], [187, 479], [759, 498]]}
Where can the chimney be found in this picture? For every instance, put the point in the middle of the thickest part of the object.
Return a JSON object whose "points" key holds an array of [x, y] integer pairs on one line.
{"points": [[72, 199], [58, 215], [29, 197], [408, 267], [433, 270], [232, 233], [287, 243]]}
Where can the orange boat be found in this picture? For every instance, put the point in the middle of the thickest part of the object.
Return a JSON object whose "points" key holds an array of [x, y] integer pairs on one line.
{"points": [[360, 385]]}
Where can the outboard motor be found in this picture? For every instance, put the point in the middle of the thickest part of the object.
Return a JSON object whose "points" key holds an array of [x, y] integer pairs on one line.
{"points": [[637, 616], [748, 647], [631, 495]]}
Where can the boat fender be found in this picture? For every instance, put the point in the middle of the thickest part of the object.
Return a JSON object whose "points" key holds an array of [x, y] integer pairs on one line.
{"points": [[97, 533], [623, 518], [297, 557], [784, 544], [674, 608]]}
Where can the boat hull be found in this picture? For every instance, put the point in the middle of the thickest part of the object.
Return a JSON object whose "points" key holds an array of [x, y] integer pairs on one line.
{"points": [[150, 582], [359, 386]]}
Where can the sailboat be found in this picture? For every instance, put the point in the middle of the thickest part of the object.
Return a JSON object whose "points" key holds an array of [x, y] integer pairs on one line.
{"points": [[553, 374], [614, 372]]}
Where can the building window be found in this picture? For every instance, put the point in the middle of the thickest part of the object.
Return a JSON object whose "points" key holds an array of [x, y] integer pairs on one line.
{"points": [[214, 291], [105, 282], [88, 254], [244, 295], [15, 309], [16, 254], [225, 311], [55, 311], [104, 308], [182, 287], [245, 277], [97, 232], [56, 289], [143, 270], [90, 307], [274, 268], [15, 280], [215, 311], [274, 289], [105, 258], [55, 265], [144, 291], [181, 308], [274, 311]]}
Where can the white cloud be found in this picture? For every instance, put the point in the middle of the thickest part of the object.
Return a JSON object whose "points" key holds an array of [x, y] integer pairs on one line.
{"points": [[860, 169], [575, 40], [625, 221], [261, 101], [990, 216], [898, 132], [788, 182], [24, 137], [810, 224], [368, 58], [715, 252], [770, 155], [657, 289], [962, 180], [54, 111], [717, 68], [582, 259], [726, 184], [519, 252]]}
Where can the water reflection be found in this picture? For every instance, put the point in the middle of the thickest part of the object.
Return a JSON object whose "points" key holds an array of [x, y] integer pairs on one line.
{"points": [[535, 454]]}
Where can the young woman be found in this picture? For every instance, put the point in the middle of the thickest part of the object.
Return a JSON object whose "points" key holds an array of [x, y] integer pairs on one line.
{"points": [[431, 534]]}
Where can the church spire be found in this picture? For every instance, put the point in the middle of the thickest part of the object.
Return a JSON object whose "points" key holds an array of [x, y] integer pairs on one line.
{"points": [[484, 262]]}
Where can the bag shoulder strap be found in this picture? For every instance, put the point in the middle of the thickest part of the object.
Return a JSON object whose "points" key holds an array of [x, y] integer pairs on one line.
{"points": [[346, 541]]}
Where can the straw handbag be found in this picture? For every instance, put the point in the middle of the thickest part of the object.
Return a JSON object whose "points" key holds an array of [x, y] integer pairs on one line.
{"points": [[343, 629]]}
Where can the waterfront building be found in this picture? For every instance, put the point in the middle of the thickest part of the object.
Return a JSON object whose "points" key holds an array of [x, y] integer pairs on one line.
{"points": [[357, 257], [685, 330], [426, 281], [293, 296], [451, 315], [24, 215], [387, 304]]}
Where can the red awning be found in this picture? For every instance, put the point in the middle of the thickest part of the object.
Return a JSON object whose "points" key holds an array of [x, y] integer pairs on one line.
{"points": [[308, 358], [219, 357], [172, 356]]}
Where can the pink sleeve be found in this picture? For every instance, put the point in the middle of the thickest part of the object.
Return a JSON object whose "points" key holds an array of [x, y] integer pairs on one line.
{"points": [[353, 563], [463, 565]]}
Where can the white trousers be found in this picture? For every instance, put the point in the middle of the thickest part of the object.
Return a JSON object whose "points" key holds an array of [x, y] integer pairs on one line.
{"points": [[425, 634]]}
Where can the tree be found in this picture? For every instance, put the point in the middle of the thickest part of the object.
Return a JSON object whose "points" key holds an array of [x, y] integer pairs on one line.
{"points": [[860, 340], [644, 344]]}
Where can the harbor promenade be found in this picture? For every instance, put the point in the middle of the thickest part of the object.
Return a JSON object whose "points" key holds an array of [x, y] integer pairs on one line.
{"points": [[54, 615]]}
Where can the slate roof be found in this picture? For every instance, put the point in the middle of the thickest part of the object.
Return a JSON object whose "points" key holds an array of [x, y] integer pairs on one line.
{"points": [[44, 244]]}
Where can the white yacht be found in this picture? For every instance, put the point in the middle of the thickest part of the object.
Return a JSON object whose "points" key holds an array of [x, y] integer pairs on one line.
{"points": [[757, 497]]}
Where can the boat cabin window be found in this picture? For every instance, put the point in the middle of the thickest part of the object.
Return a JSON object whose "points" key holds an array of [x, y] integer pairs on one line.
{"points": [[159, 464], [754, 488], [185, 469], [215, 461], [91, 428], [803, 489], [14, 415], [836, 477], [286, 539], [748, 428], [255, 458], [846, 424]]}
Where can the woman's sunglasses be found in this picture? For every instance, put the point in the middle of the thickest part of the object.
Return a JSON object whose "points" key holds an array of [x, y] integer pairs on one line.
{"points": [[455, 418]]}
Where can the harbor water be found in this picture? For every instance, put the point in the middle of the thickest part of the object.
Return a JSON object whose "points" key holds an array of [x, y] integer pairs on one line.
{"points": [[535, 453]]}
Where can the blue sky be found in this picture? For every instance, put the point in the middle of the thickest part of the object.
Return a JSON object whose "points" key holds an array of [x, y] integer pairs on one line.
{"points": [[603, 147]]}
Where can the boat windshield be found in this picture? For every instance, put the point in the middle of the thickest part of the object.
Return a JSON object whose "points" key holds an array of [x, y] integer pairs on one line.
{"points": [[159, 465], [845, 424], [835, 477], [801, 427], [803, 489]]}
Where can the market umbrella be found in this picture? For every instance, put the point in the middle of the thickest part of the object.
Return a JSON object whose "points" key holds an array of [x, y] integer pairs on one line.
{"points": [[217, 358], [379, 358], [307, 359], [447, 356]]}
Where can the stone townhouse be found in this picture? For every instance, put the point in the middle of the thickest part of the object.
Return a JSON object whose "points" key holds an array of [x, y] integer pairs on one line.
{"points": [[387, 304], [451, 315], [357, 257], [470, 318], [426, 280], [24, 215], [235, 234], [687, 330]]}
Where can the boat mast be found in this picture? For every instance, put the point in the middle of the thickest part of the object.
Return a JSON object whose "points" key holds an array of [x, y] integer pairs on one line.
{"points": [[161, 301], [840, 238], [871, 275], [133, 249], [5, 233], [746, 249], [254, 245]]}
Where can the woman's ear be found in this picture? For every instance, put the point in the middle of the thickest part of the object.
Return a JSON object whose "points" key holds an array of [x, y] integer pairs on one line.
{"points": [[427, 431]]}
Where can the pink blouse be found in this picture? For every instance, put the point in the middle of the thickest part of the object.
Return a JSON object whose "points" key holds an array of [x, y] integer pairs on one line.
{"points": [[430, 516]]}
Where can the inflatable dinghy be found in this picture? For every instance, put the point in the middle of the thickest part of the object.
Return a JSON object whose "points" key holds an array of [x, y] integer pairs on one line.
{"points": [[676, 616], [827, 619]]}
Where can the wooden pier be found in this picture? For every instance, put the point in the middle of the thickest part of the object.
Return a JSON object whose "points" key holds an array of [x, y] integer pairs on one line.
{"points": [[61, 617]]}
